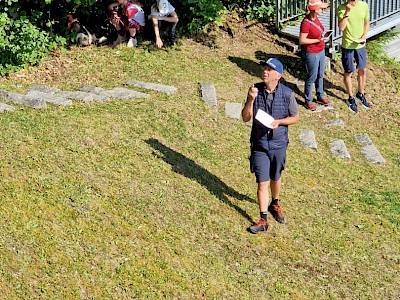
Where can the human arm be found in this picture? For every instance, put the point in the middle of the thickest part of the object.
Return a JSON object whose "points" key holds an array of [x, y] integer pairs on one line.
{"points": [[343, 15], [172, 17], [159, 42], [293, 114], [366, 28], [247, 111], [304, 40], [286, 121]]}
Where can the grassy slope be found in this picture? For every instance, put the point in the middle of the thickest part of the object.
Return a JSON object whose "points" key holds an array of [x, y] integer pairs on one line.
{"points": [[151, 198]]}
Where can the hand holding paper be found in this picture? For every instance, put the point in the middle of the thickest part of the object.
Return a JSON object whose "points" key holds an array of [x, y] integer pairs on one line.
{"points": [[264, 118]]}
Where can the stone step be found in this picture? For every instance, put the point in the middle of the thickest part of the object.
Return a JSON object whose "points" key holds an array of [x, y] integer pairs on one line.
{"points": [[370, 152], [233, 110], [153, 86], [50, 97], [5, 107], [307, 138], [338, 149], [208, 93]]}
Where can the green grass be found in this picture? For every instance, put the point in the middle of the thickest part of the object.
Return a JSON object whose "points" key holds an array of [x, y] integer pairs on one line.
{"points": [[150, 199]]}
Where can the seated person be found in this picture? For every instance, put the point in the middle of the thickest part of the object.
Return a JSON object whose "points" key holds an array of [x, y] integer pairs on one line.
{"points": [[163, 14], [132, 20]]}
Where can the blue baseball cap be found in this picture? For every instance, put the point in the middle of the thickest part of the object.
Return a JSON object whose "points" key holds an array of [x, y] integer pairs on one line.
{"points": [[274, 63]]}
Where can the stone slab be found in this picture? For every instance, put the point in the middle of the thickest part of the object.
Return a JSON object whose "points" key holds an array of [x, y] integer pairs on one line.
{"points": [[208, 93], [5, 107], [338, 149], [122, 93], [43, 88], [48, 97], [153, 86], [307, 138], [336, 122], [90, 89], [83, 96], [233, 110], [22, 99], [370, 152]]}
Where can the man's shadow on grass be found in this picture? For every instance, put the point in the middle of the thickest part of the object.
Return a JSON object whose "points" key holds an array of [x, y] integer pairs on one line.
{"points": [[188, 168], [292, 64]]}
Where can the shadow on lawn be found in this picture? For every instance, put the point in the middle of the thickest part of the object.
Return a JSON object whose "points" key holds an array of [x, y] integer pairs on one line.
{"points": [[292, 64], [188, 168]]}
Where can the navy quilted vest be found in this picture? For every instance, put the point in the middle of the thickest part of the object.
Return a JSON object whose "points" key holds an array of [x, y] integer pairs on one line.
{"points": [[262, 136]]}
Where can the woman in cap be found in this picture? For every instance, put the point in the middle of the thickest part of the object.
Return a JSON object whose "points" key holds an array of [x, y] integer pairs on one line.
{"points": [[312, 34]]}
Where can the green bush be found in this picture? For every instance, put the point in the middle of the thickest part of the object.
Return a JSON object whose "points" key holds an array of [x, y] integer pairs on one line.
{"points": [[21, 44]]}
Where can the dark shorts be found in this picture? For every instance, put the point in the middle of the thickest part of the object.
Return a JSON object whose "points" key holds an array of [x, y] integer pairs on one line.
{"points": [[351, 55], [268, 165], [136, 25]]}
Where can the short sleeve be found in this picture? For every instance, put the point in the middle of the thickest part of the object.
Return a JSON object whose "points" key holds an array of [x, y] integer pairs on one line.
{"points": [[154, 11], [340, 12], [305, 27], [367, 13], [293, 109]]}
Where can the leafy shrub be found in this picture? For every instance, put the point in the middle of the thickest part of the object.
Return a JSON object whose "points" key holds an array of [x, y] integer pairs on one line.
{"points": [[261, 10], [21, 44]]}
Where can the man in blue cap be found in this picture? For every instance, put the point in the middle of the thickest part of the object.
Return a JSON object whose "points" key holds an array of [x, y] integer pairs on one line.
{"points": [[272, 107]]}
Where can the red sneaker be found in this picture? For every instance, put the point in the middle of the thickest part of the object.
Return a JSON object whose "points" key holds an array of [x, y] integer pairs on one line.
{"points": [[324, 101], [276, 212], [310, 105], [260, 226]]}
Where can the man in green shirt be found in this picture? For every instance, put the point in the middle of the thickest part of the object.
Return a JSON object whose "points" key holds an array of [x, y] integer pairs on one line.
{"points": [[354, 23]]}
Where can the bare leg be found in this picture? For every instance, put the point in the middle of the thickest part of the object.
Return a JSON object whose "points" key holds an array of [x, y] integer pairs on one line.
{"points": [[275, 188], [263, 195], [132, 32], [347, 83], [361, 78]]}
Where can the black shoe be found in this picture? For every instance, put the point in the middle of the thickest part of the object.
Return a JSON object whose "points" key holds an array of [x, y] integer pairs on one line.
{"points": [[260, 226], [361, 98], [276, 212], [351, 102]]}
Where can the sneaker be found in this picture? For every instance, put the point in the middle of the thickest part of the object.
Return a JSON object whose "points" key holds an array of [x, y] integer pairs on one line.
{"points": [[324, 101], [351, 102], [276, 212], [102, 40], [260, 226], [361, 98], [132, 42], [310, 105], [119, 40]]}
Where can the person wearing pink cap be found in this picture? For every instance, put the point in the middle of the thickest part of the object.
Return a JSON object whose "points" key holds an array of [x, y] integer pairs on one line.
{"points": [[312, 34]]}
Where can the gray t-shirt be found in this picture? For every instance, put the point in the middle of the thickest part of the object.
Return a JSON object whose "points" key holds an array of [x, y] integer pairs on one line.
{"points": [[293, 109]]}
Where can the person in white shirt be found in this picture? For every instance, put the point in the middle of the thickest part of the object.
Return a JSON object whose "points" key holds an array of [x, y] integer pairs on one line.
{"points": [[163, 14]]}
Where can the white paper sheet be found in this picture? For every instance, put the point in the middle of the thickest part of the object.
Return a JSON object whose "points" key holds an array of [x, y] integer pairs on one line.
{"points": [[264, 118], [360, 41]]}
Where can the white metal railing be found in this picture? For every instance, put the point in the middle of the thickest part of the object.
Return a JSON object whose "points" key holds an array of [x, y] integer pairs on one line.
{"points": [[289, 10]]}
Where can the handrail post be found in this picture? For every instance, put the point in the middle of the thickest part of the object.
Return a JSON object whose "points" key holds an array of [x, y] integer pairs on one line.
{"points": [[278, 14]]}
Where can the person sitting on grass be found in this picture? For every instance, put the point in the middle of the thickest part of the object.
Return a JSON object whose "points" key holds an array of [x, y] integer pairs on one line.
{"points": [[163, 15], [131, 21]]}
